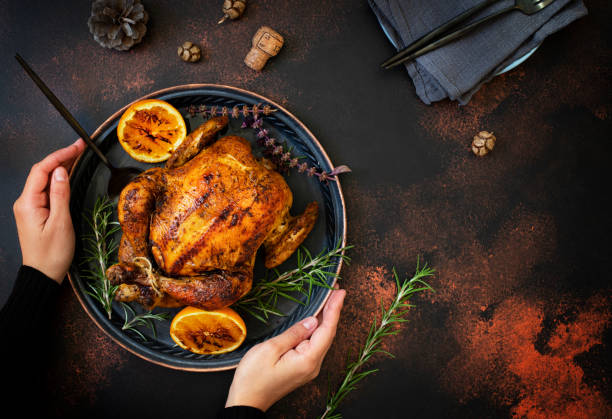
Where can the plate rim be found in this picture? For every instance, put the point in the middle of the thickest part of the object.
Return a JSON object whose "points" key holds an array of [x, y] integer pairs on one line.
{"points": [[173, 89]]}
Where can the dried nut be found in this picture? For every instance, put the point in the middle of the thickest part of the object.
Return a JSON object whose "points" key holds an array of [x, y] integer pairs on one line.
{"points": [[189, 52], [483, 143], [233, 9]]}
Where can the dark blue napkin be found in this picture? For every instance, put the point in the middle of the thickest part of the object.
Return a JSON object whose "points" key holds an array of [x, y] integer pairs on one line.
{"points": [[457, 70]]}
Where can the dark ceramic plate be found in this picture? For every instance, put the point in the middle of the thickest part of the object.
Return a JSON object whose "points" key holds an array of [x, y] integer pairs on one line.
{"points": [[89, 179]]}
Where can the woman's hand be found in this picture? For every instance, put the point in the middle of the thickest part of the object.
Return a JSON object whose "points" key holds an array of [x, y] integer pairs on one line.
{"points": [[279, 365], [42, 214]]}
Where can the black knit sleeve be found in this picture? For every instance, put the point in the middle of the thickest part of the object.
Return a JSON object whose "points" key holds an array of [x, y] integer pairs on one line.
{"points": [[26, 323], [241, 412], [29, 303]]}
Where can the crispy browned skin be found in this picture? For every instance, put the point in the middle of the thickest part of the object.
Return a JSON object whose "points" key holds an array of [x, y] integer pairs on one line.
{"points": [[196, 141], [201, 222], [289, 234]]}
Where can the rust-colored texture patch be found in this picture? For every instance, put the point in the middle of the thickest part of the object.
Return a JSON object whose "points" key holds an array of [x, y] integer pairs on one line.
{"points": [[509, 356]]}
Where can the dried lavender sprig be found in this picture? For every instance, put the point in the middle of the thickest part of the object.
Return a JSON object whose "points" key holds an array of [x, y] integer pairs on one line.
{"points": [[283, 157], [235, 111]]}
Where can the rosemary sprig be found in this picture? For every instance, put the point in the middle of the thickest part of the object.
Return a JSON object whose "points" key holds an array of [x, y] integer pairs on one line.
{"points": [[99, 248], [143, 319], [262, 300], [395, 315]]}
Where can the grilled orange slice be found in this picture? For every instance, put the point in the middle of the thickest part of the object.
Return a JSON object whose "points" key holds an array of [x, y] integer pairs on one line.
{"points": [[208, 332], [150, 130]]}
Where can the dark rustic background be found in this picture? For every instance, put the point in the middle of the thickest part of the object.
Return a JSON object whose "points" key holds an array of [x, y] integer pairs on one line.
{"points": [[520, 320]]}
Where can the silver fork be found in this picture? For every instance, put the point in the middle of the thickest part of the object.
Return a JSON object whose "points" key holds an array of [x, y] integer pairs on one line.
{"points": [[528, 7]]}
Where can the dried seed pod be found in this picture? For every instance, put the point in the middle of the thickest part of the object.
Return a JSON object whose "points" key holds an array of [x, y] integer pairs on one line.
{"points": [[483, 143], [189, 52], [232, 9]]}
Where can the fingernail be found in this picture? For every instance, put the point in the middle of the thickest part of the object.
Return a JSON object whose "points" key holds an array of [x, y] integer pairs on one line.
{"points": [[309, 323], [59, 175]]}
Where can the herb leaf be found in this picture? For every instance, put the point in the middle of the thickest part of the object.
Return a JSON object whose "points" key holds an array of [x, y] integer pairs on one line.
{"points": [[100, 250], [390, 318], [143, 319], [100, 247], [311, 271]]}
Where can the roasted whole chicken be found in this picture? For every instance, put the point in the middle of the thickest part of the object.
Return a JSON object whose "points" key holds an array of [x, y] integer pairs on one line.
{"points": [[191, 229]]}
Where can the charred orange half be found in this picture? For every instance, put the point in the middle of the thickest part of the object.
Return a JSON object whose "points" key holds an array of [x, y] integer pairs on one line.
{"points": [[150, 130], [208, 332]]}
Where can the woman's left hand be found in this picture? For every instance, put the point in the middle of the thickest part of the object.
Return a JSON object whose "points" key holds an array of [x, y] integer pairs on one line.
{"points": [[42, 214]]}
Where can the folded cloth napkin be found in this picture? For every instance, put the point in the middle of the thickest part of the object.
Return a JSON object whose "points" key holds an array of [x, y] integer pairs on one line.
{"points": [[458, 69]]}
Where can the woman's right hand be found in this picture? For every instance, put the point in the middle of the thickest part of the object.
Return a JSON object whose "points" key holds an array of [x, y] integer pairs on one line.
{"points": [[274, 368]]}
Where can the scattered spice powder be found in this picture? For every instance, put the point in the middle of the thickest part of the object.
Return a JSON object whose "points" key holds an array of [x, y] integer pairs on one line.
{"points": [[499, 361], [553, 383]]}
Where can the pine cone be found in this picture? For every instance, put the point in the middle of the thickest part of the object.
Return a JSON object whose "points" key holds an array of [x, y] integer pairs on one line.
{"points": [[118, 24]]}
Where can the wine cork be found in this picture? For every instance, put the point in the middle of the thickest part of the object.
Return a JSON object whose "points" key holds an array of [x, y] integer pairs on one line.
{"points": [[266, 44]]}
